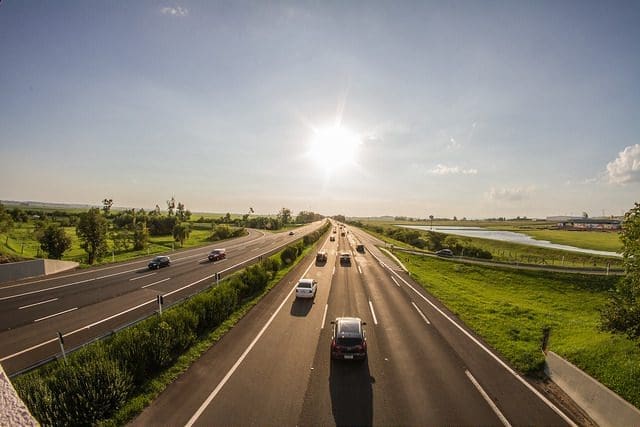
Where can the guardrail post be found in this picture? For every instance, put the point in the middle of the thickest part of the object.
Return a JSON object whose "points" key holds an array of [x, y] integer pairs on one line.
{"points": [[160, 302], [61, 341], [546, 332]]}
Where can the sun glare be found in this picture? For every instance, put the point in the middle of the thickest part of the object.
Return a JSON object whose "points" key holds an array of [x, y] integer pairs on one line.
{"points": [[334, 147]]}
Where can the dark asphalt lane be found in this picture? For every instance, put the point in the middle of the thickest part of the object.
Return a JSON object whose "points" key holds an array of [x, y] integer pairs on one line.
{"points": [[95, 302], [274, 367]]}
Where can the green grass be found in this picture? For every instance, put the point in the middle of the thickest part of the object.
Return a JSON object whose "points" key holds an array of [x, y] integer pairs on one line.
{"points": [[526, 254], [21, 242], [596, 240], [509, 309]]}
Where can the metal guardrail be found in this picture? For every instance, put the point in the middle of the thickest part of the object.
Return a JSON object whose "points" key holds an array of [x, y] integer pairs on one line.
{"points": [[233, 269]]}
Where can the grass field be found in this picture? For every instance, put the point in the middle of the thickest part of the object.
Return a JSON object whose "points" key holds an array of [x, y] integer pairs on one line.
{"points": [[597, 240], [509, 309], [525, 254], [21, 242]]}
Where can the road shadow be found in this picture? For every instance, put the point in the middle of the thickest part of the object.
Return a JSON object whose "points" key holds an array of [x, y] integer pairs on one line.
{"points": [[350, 385], [301, 306]]}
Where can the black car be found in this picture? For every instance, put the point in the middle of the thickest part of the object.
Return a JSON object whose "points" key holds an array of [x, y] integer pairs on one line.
{"points": [[345, 258], [349, 340], [360, 248], [159, 261]]}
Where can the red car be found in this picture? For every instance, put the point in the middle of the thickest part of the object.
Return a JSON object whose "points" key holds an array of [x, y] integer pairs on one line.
{"points": [[217, 255]]}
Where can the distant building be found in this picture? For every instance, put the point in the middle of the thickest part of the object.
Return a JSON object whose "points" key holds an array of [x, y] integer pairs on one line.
{"points": [[573, 223]]}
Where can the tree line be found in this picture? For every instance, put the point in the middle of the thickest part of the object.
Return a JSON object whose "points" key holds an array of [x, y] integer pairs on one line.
{"points": [[101, 230]]}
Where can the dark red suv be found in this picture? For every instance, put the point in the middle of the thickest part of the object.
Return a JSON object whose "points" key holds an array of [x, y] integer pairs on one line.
{"points": [[349, 340]]}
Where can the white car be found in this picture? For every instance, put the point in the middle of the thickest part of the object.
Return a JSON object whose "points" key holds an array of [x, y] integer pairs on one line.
{"points": [[306, 288]]}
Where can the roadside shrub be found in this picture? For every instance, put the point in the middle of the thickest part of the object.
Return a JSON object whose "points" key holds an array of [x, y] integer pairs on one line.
{"points": [[289, 254], [88, 388]]}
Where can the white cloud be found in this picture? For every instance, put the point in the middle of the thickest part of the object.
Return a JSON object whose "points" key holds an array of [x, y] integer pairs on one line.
{"points": [[626, 167], [453, 144], [174, 11], [452, 170], [509, 194]]}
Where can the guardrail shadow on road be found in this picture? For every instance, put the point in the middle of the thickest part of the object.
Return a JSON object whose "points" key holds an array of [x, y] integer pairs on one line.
{"points": [[350, 385]]}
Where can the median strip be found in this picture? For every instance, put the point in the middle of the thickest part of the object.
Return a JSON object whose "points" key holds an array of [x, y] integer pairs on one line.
{"points": [[235, 366]]}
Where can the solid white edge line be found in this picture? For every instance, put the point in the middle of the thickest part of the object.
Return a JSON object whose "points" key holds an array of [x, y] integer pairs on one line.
{"points": [[395, 281], [420, 313], [324, 316], [54, 315], [155, 283], [334, 271], [486, 397], [37, 303], [489, 352], [235, 366], [141, 277], [373, 313]]}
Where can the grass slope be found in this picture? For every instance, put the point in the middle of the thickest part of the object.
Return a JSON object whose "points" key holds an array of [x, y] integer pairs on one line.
{"points": [[509, 309]]}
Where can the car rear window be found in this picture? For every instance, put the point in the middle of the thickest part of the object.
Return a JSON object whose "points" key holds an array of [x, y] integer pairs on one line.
{"points": [[304, 285], [349, 341]]}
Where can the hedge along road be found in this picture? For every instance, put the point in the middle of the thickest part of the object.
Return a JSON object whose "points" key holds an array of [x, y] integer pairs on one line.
{"points": [[90, 304], [273, 367]]}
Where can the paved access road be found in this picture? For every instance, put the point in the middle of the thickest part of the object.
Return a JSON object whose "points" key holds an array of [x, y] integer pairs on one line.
{"points": [[274, 367], [90, 303]]}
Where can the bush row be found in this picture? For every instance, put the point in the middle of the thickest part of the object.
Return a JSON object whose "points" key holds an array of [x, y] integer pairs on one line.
{"points": [[96, 380]]}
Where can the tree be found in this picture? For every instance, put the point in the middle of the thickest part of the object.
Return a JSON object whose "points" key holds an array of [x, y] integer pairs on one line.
{"points": [[6, 222], [92, 230], [284, 215], [106, 205], [140, 236], [54, 241], [171, 205], [622, 312], [181, 233]]}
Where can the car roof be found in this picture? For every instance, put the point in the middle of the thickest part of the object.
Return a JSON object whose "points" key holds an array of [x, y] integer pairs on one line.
{"points": [[305, 281], [345, 254], [349, 327]]}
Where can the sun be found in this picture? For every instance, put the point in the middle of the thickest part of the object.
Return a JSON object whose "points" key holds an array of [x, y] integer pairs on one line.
{"points": [[334, 147]]}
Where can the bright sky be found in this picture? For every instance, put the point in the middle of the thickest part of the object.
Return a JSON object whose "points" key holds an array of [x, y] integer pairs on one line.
{"points": [[467, 108]]}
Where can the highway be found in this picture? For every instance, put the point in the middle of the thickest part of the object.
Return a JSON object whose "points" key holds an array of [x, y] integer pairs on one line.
{"points": [[423, 367], [86, 304]]}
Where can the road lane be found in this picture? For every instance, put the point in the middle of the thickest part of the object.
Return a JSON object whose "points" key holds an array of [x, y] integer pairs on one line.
{"points": [[418, 371], [107, 300]]}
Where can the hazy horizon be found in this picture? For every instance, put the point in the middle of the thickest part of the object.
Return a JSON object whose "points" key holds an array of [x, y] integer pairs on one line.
{"points": [[462, 108]]}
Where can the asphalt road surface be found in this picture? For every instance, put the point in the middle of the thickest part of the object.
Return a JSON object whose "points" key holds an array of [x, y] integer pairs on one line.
{"points": [[423, 368], [87, 304]]}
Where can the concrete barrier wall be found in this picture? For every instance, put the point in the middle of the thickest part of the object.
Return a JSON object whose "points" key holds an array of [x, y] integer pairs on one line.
{"points": [[604, 406], [38, 267], [52, 266]]}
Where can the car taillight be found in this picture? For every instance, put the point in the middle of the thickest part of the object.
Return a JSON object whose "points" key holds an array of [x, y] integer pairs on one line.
{"points": [[333, 344]]}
